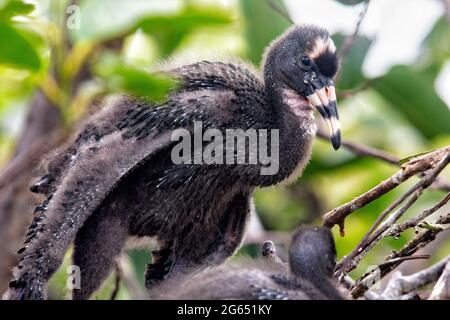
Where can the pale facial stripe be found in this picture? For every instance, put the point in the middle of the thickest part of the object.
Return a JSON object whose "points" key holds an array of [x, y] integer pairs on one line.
{"points": [[321, 45]]}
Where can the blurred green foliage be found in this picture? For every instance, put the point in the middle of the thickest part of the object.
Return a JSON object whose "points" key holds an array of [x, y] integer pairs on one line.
{"points": [[399, 112], [426, 111], [14, 8], [258, 34], [169, 28], [16, 49], [119, 76], [350, 73]]}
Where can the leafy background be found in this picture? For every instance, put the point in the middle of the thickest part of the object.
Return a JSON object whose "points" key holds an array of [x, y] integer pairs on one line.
{"points": [[119, 43]]}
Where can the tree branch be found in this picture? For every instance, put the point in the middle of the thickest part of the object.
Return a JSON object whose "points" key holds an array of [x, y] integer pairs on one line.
{"points": [[417, 165], [366, 151], [419, 241], [413, 222], [373, 236], [350, 40], [441, 290], [400, 285], [362, 150]]}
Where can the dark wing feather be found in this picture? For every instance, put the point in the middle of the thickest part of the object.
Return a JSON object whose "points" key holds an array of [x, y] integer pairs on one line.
{"points": [[92, 130], [81, 191]]}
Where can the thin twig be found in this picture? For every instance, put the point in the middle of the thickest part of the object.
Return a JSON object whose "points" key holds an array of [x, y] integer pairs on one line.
{"points": [[348, 283], [346, 94], [352, 260], [411, 223], [365, 151], [413, 167], [419, 241], [401, 259], [372, 237], [400, 285], [349, 40], [441, 290], [348, 43], [362, 150]]}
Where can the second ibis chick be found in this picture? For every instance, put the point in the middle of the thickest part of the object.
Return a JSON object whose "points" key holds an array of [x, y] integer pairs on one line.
{"points": [[307, 276]]}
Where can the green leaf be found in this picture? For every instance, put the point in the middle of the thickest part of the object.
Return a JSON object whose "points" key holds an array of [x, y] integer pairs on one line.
{"points": [[16, 50], [99, 22], [15, 8], [168, 26], [409, 158], [120, 77], [170, 30], [351, 74], [262, 25], [412, 94]]}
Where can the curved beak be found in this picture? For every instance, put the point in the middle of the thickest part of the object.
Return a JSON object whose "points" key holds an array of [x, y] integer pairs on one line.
{"points": [[324, 100]]}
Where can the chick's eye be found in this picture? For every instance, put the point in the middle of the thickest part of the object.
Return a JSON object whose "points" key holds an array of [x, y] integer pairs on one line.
{"points": [[305, 61]]}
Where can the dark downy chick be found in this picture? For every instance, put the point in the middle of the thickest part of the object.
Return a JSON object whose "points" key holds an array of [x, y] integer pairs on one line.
{"points": [[308, 276], [118, 178]]}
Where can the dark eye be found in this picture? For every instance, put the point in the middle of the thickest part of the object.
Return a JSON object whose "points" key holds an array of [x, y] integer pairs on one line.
{"points": [[305, 61]]}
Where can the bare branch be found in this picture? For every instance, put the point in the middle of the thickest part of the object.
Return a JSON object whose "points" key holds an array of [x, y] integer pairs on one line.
{"points": [[365, 151], [352, 260], [348, 282], [411, 223], [441, 290], [400, 285], [348, 43], [417, 165], [362, 150], [346, 94], [419, 241], [349, 40], [372, 237]]}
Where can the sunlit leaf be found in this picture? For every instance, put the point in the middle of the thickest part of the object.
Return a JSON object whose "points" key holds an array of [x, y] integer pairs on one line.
{"points": [[101, 22], [170, 30], [412, 94], [16, 50], [168, 24], [262, 25], [13, 8]]}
